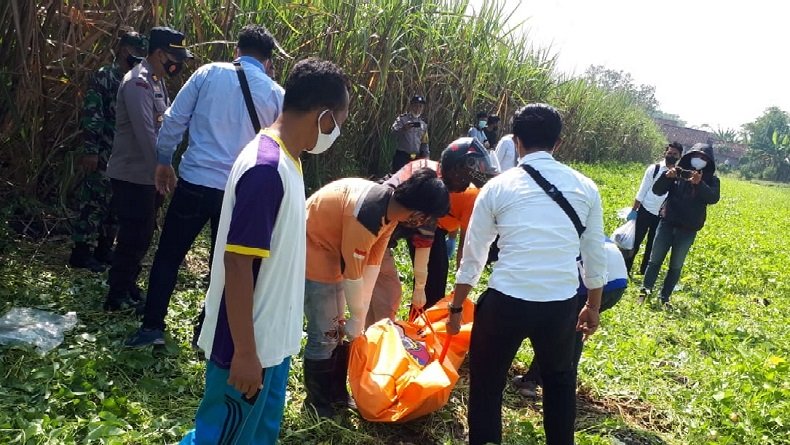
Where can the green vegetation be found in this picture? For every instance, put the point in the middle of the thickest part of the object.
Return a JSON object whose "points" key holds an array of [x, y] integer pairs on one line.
{"points": [[712, 371], [769, 142], [390, 48]]}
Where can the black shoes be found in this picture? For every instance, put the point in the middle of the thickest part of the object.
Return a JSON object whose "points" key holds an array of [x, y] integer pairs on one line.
{"points": [[81, 258], [134, 299]]}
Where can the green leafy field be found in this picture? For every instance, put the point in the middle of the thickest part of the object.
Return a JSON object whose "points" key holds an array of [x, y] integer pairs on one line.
{"points": [[714, 370]]}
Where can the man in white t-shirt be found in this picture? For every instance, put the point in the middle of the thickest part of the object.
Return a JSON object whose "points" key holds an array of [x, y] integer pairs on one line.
{"points": [[506, 153], [647, 205], [254, 305]]}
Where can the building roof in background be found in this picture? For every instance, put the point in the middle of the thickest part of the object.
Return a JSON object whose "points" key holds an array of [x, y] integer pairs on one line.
{"points": [[690, 136]]}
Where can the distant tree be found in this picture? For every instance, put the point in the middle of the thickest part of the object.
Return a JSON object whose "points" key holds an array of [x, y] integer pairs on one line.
{"points": [[727, 135], [674, 118], [760, 133], [768, 138], [612, 80]]}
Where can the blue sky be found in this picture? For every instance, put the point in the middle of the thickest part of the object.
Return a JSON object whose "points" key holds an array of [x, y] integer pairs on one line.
{"points": [[719, 63]]}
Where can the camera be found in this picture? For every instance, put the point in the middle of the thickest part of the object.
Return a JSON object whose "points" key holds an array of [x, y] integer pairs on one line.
{"points": [[684, 174], [416, 124]]}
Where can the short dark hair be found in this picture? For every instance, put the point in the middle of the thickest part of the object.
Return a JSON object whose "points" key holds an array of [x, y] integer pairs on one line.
{"points": [[676, 145], [255, 40], [493, 119], [315, 83], [537, 126], [424, 192], [482, 115]]}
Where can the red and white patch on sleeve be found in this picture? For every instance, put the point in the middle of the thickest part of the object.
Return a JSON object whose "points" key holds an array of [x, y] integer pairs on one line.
{"points": [[360, 254]]}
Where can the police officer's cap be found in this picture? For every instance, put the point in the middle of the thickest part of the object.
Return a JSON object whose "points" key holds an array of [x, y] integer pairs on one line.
{"points": [[135, 40], [170, 41], [417, 99]]}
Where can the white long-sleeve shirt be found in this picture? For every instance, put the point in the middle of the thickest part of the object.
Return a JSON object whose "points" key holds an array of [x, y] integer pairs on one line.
{"points": [[538, 242], [506, 153], [650, 201]]}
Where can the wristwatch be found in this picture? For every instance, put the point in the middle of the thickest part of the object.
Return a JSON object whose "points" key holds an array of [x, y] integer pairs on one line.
{"points": [[454, 309]]}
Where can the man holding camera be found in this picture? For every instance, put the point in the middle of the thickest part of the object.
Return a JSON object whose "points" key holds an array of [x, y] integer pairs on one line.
{"points": [[692, 185], [411, 135]]}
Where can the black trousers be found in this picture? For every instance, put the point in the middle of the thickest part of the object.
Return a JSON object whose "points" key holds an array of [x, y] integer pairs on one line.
{"points": [[190, 209], [646, 223], [438, 266], [135, 207], [501, 324]]}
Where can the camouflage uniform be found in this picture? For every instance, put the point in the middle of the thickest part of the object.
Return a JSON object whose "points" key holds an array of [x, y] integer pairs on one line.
{"points": [[98, 126]]}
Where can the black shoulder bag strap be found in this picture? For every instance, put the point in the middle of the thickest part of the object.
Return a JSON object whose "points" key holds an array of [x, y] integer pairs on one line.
{"points": [[557, 196], [245, 89], [655, 170]]}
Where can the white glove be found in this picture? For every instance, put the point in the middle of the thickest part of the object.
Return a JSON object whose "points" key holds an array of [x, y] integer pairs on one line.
{"points": [[418, 298], [362, 290], [420, 277], [353, 293]]}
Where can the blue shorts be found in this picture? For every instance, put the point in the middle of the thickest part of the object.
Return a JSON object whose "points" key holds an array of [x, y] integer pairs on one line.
{"points": [[225, 417]]}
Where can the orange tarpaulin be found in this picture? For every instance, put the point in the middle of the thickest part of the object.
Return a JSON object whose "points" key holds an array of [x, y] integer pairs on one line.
{"points": [[395, 369]]}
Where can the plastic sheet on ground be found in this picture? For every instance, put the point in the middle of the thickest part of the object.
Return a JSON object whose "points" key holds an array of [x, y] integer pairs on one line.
{"points": [[41, 329]]}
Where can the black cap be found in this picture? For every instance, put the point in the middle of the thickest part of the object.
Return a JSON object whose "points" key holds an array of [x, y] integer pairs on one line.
{"points": [[417, 99], [135, 40], [170, 41]]}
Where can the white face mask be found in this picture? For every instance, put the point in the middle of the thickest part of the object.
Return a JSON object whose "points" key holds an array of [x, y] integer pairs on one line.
{"points": [[698, 163], [324, 141]]}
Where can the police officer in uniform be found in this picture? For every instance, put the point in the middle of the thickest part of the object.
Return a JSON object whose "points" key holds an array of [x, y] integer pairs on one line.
{"points": [[95, 225], [411, 135], [141, 104]]}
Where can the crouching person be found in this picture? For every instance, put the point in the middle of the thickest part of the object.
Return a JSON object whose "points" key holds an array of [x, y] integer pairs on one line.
{"points": [[349, 223], [613, 290]]}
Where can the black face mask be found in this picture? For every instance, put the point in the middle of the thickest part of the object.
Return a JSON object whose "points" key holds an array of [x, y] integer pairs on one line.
{"points": [[173, 68], [670, 160], [133, 60]]}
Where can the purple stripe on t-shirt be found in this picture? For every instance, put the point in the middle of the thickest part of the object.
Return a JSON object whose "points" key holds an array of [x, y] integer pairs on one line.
{"points": [[268, 152], [259, 193], [222, 349]]}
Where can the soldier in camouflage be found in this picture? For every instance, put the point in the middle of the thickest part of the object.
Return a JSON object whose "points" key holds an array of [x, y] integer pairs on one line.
{"points": [[95, 225]]}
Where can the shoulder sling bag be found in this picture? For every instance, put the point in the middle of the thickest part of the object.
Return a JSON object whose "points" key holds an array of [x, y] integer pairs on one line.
{"points": [[557, 196], [245, 89]]}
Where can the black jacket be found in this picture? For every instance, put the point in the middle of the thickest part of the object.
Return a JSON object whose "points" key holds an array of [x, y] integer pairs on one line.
{"points": [[686, 205]]}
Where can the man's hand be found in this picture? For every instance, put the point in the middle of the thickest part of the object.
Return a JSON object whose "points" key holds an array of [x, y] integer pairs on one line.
{"points": [[454, 324], [696, 177], [89, 163], [672, 173], [588, 321], [246, 373], [165, 179], [418, 298]]}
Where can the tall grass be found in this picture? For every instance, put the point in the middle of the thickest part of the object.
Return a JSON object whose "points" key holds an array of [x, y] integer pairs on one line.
{"points": [[391, 49]]}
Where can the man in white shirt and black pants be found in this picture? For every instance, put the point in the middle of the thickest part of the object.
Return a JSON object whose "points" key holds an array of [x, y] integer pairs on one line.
{"points": [[647, 205], [531, 289]]}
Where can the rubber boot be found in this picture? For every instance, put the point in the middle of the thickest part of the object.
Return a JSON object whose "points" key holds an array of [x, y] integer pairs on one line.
{"points": [[81, 258], [318, 382], [340, 396], [103, 251]]}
